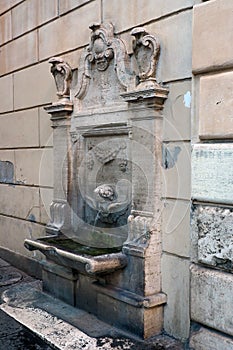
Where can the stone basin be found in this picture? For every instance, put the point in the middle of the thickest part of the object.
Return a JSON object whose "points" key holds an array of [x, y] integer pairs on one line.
{"points": [[88, 260]]}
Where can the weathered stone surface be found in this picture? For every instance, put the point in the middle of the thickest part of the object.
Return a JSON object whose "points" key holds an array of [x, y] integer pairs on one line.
{"points": [[68, 328], [67, 5], [212, 236], [56, 37], [173, 32], [32, 13], [14, 231], [211, 49], [7, 4], [20, 201], [212, 172], [46, 197], [215, 108], [34, 166], [7, 166], [46, 135], [176, 170], [40, 88], [211, 298], [19, 129], [139, 11], [7, 174], [205, 339], [175, 283], [5, 32], [6, 93], [176, 227], [19, 53], [177, 112]]}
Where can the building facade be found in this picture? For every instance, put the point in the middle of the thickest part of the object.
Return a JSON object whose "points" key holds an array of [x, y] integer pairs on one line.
{"points": [[195, 66]]}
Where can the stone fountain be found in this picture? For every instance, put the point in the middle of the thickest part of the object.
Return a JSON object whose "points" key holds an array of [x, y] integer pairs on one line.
{"points": [[103, 243]]}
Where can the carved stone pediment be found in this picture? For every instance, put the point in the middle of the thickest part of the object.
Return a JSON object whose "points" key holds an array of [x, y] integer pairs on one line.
{"points": [[105, 52]]}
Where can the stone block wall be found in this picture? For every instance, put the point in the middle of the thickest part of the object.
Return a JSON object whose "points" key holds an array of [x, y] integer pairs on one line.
{"points": [[212, 177], [31, 32]]}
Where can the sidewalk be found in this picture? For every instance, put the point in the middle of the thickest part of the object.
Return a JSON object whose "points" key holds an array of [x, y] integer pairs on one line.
{"points": [[14, 336], [33, 320]]}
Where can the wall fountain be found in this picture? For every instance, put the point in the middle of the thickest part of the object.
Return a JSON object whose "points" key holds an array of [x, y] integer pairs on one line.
{"points": [[103, 243]]}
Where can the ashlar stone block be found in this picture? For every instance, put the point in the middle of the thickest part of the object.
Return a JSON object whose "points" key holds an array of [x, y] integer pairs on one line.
{"points": [[46, 135], [139, 12], [19, 129], [216, 105], [32, 13], [205, 339], [6, 93], [57, 36], [176, 227], [19, 53], [175, 283], [40, 88], [5, 25], [212, 33], [34, 166], [212, 236], [174, 32], [5, 5], [20, 201], [46, 197], [14, 231], [67, 5], [176, 170], [211, 298], [212, 172], [177, 112]]}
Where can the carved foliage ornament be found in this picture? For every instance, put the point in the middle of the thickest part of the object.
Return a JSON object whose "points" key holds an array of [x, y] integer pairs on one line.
{"points": [[103, 48]]}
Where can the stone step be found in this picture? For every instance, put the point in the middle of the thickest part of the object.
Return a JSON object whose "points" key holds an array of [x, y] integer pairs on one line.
{"points": [[67, 328]]}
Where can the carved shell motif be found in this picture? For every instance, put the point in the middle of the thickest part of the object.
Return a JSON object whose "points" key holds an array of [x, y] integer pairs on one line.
{"points": [[100, 51]]}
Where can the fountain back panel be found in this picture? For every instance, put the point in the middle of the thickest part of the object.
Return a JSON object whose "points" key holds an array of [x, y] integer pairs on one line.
{"points": [[102, 246]]}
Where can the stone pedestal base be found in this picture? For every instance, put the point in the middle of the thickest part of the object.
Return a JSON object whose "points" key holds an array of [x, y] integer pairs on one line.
{"points": [[59, 281], [126, 310]]}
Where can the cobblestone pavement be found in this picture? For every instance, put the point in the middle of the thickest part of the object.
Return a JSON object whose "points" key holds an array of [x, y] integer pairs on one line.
{"points": [[12, 335]]}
